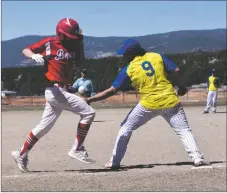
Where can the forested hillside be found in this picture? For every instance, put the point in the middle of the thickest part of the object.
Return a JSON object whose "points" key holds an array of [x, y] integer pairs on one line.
{"points": [[196, 67]]}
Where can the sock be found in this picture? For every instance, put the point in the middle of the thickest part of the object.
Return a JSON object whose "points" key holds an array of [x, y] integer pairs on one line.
{"points": [[28, 144], [81, 134]]}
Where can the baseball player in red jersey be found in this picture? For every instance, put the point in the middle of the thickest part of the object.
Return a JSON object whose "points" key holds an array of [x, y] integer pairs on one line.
{"points": [[58, 54]]}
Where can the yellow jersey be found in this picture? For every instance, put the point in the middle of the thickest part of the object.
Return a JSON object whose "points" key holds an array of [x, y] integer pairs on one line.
{"points": [[211, 86], [147, 75]]}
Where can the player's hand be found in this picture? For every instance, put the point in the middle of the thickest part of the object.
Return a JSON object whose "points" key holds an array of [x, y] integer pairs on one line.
{"points": [[181, 90], [38, 58]]}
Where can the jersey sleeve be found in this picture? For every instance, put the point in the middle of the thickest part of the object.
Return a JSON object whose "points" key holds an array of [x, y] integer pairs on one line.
{"points": [[39, 47], [168, 64], [122, 79], [75, 85]]}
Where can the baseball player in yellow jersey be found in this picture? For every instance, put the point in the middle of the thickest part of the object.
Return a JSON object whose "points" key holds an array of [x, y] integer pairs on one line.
{"points": [[212, 83], [147, 73]]}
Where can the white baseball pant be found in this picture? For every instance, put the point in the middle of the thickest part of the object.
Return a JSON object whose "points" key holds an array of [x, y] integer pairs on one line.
{"points": [[211, 100], [138, 116], [58, 99]]}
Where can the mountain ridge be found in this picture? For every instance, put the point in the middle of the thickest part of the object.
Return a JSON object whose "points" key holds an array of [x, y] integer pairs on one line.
{"points": [[172, 42]]}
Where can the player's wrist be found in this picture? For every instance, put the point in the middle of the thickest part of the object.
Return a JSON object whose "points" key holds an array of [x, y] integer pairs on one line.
{"points": [[89, 100]]}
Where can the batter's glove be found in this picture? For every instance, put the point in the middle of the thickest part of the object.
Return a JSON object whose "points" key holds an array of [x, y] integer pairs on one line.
{"points": [[38, 58], [181, 90]]}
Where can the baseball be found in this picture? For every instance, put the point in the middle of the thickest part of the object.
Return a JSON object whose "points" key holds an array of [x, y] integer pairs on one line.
{"points": [[81, 90]]}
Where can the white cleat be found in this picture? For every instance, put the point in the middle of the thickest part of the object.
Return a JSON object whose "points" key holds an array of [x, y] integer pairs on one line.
{"points": [[81, 155], [22, 162], [201, 162]]}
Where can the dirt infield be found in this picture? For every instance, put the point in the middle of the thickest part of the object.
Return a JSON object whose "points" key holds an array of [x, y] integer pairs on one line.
{"points": [[155, 160]]}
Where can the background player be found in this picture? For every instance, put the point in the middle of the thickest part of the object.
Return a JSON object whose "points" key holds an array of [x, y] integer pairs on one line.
{"points": [[59, 54], [85, 82], [146, 71], [212, 84]]}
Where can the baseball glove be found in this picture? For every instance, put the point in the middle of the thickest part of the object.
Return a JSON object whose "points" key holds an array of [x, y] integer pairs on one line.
{"points": [[216, 82], [181, 90]]}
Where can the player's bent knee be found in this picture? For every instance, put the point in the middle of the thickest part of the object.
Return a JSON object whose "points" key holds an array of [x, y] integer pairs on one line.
{"points": [[126, 131], [128, 127], [88, 118]]}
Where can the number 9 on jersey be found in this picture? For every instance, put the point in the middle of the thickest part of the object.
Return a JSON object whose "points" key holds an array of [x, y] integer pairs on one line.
{"points": [[148, 68]]}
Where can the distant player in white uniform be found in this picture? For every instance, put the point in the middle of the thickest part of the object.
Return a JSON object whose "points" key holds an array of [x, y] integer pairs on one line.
{"points": [[147, 73], [212, 85], [59, 54]]}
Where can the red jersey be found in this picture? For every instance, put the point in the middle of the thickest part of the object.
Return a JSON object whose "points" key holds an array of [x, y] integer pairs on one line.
{"points": [[58, 61]]}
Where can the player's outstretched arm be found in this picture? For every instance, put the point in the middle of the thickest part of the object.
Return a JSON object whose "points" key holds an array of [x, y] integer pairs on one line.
{"points": [[120, 80], [37, 57], [103, 95], [36, 50]]}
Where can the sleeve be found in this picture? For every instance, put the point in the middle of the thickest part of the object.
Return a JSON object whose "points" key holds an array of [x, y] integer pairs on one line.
{"points": [[121, 79], [39, 47], [168, 64], [75, 85]]}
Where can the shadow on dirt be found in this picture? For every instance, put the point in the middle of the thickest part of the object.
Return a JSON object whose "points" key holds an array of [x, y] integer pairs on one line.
{"points": [[124, 168], [100, 121]]}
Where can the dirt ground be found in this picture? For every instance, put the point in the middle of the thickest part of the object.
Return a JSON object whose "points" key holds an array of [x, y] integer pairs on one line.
{"points": [[155, 159]]}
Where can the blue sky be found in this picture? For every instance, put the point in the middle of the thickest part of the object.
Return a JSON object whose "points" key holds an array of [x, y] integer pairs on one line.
{"points": [[109, 18]]}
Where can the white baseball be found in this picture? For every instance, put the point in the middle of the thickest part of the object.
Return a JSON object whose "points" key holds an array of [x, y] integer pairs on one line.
{"points": [[81, 90]]}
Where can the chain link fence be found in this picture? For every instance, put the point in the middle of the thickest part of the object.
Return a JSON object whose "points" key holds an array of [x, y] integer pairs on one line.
{"points": [[124, 98]]}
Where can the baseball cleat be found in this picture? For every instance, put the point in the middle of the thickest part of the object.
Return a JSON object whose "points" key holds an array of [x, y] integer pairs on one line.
{"points": [[109, 165], [205, 112], [81, 155], [201, 162], [22, 162]]}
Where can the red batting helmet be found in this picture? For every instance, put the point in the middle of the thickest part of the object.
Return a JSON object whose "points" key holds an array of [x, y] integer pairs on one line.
{"points": [[69, 28]]}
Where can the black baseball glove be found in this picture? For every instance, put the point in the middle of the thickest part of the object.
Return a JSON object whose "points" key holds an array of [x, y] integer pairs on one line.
{"points": [[216, 82], [181, 90]]}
